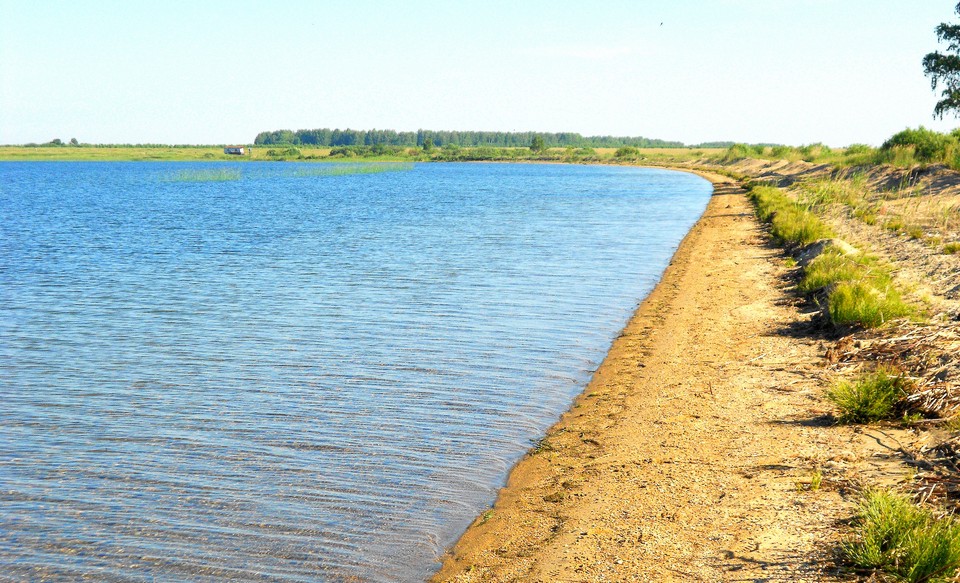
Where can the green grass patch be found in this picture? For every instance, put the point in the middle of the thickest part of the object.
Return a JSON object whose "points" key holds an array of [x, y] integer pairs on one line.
{"points": [[895, 224], [858, 289], [831, 267], [894, 536], [867, 214], [91, 153], [951, 248], [851, 192], [290, 152], [790, 222], [867, 303], [905, 149], [872, 397]]}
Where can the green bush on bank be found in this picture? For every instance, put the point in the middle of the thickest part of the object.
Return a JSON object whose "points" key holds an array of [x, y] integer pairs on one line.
{"points": [[906, 148], [926, 145], [626, 153]]}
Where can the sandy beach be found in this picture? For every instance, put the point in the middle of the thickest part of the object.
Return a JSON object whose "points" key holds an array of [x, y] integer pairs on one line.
{"points": [[690, 454]]}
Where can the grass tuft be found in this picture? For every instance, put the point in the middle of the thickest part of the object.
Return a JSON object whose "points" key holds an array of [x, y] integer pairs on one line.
{"points": [[858, 290], [951, 248], [895, 224], [866, 303], [896, 537], [873, 397], [830, 267]]}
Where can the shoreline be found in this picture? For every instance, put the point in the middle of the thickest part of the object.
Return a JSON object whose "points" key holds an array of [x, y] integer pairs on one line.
{"points": [[680, 407]]}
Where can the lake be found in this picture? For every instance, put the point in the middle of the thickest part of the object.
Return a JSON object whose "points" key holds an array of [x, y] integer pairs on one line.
{"points": [[279, 372]]}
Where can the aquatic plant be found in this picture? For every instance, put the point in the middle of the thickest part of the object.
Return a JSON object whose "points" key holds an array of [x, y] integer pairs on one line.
{"points": [[204, 175], [348, 169]]}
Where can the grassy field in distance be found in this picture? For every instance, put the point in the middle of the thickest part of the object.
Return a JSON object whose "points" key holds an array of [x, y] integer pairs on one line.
{"points": [[138, 153]]}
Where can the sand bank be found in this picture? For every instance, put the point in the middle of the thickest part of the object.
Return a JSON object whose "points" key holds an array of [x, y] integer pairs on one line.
{"points": [[687, 456]]}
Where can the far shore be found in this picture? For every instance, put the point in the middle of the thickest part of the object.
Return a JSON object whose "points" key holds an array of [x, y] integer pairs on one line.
{"points": [[156, 153]]}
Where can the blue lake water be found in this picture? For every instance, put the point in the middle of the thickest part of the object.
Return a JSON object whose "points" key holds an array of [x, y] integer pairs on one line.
{"points": [[289, 376]]}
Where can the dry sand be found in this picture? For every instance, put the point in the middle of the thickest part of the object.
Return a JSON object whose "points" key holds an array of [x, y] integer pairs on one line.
{"points": [[690, 455]]}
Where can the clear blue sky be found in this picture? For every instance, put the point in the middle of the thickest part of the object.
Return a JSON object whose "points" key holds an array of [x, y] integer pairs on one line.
{"points": [[170, 71]]}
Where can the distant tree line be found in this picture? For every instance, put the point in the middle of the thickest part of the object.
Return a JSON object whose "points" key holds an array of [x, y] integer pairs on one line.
{"points": [[333, 138]]}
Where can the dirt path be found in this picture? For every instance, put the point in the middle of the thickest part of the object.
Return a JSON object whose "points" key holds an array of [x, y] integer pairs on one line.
{"points": [[690, 454]]}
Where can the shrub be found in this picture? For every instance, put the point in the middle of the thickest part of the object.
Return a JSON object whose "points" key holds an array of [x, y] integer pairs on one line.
{"points": [[897, 156], [626, 152], [781, 151], [291, 151], [854, 149], [871, 398], [928, 145], [811, 152], [342, 152], [737, 152], [894, 536]]}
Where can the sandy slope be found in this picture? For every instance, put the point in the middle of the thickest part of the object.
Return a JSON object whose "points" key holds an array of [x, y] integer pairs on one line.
{"points": [[687, 456]]}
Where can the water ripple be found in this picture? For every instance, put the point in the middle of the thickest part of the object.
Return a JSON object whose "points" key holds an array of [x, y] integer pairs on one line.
{"points": [[290, 376]]}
